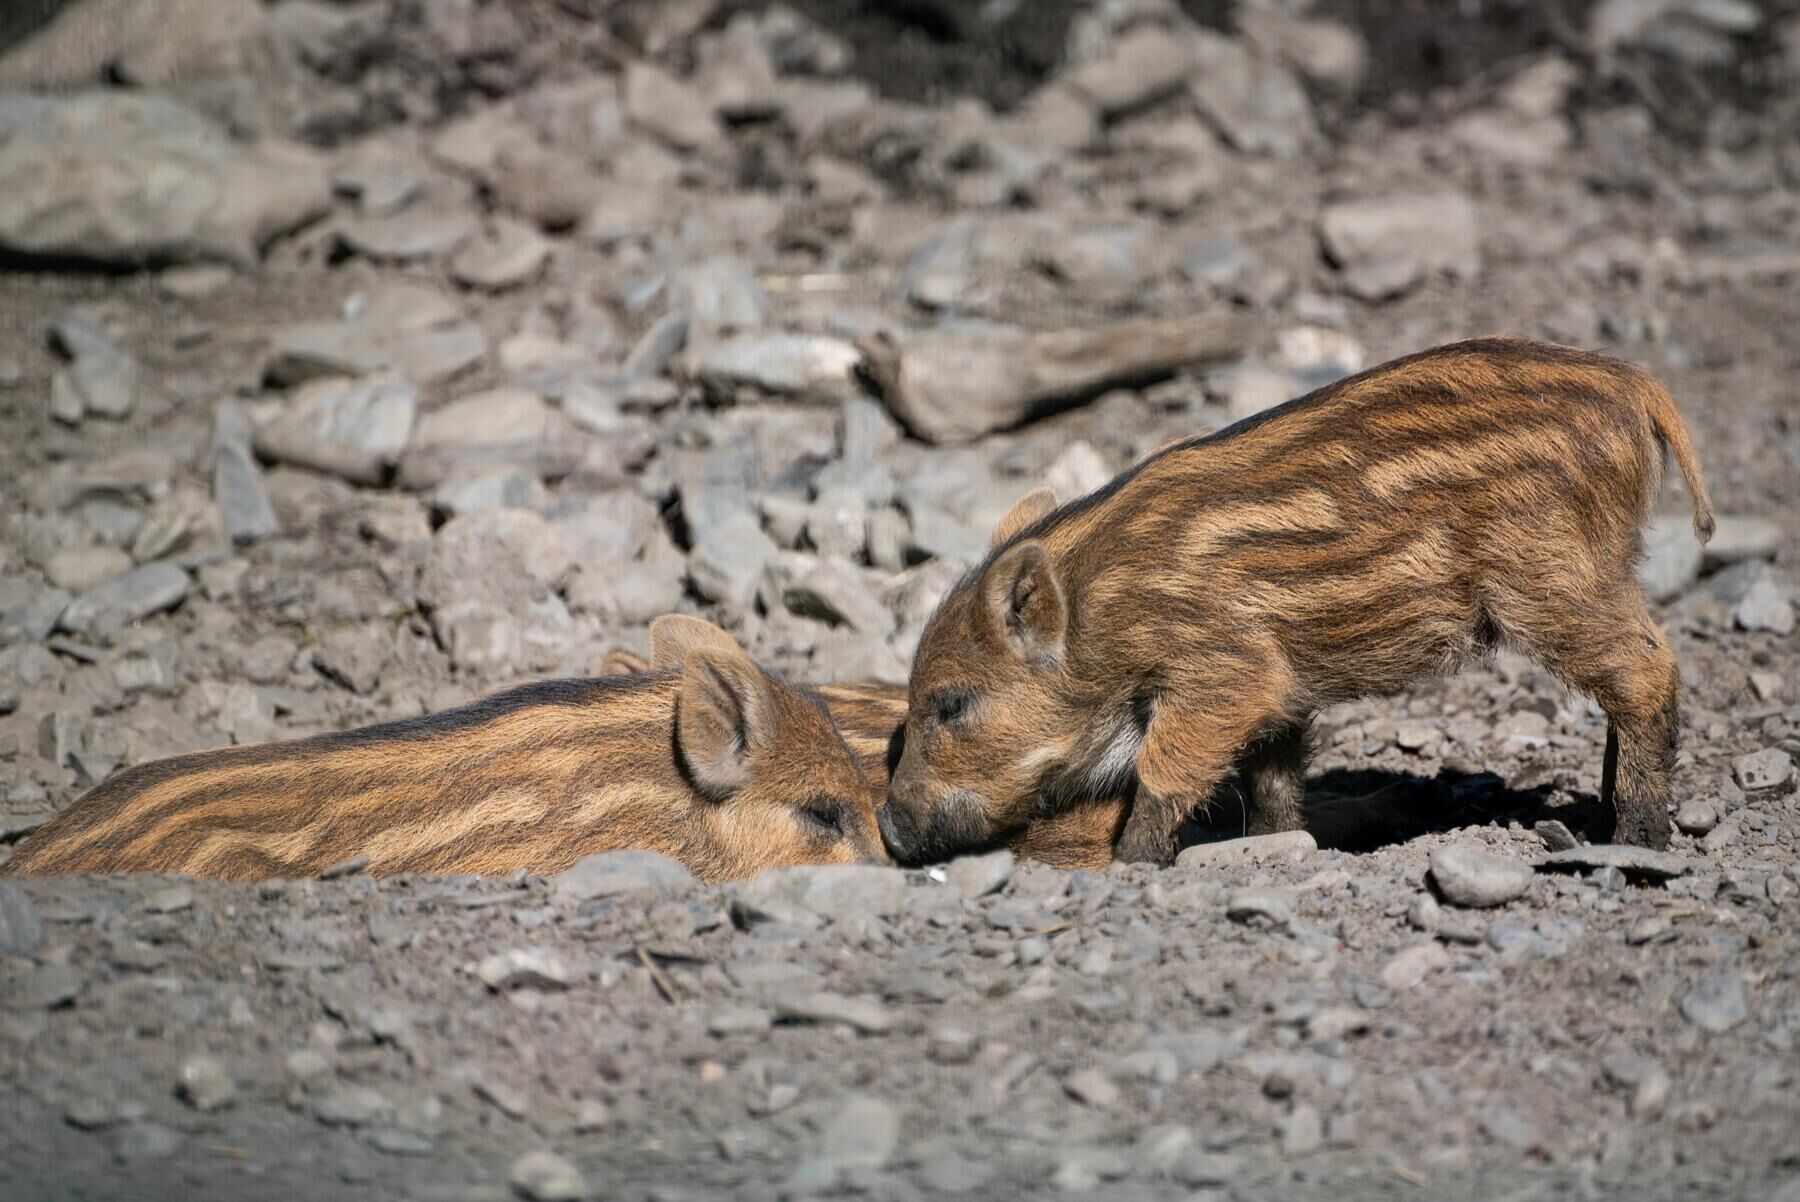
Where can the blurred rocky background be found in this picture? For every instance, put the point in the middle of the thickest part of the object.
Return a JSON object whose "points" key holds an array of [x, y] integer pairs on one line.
{"points": [[359, 358]]}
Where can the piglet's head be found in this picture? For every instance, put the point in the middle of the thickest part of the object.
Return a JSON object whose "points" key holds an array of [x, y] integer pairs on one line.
{"points": [[987, 718], [778, 783]]}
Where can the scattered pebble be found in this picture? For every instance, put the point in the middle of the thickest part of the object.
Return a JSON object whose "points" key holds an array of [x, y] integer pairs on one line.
{"points": [[978, 876], [1770, 768], [546, 1177], [1716, 1003], [530, 967], [1092, 1087], [869, 1018], [1469, 876], [863, 1133], [203, 1083]]}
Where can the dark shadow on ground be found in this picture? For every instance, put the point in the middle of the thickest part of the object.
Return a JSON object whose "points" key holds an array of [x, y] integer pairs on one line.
{"points": [[1367, 809]]}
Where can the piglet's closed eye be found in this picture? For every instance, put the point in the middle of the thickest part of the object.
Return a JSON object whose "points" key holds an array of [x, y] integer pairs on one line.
{"points": [[723, 718]]}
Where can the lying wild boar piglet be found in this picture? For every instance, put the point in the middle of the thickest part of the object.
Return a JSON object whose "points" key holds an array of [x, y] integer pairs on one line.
{"points": [[713, 762], [1189, 617]]}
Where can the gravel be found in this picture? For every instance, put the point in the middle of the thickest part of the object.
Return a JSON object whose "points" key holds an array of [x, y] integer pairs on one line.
{"points": [[430, 357]]}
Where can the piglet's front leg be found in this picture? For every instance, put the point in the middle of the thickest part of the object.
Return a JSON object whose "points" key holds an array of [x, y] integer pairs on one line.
{"points": [[1184, 756]]}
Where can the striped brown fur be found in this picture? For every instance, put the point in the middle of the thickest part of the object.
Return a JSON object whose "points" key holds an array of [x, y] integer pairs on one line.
{"points": [[713, 761], [1189, 617], [872, 719]]}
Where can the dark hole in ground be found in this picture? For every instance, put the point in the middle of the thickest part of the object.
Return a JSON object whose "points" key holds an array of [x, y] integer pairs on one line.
{"points": [[1366, 809]]}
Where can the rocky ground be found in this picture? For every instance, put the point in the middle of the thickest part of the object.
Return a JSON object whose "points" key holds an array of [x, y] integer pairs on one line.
{"points": [[361, 358]]}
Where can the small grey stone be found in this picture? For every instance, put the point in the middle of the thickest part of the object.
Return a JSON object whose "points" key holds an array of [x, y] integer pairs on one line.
{"points": [[1260, 908], [1637, 863], [1768, 686], [147, 1141], [509, 1099], [343, 868], [720, 295], [1302, 1131], [978, 876], [1765, 607], [869, 1018], [1081, 1168], [738, 1020], [170, 899], [1696, 817], [77, 569], [727, 562], [1738, 537], [352, 1106], [354, 428], [950, 1172], [802, 367], [1092, 1087], [1469, 876], [1251, 850], [533, 967], [21, 926], [951, 1045], [1770, 768], [863, 1133], [1672, 557], [611, 873], [47, 988], [1716, 1003], [805, 895], [1387, 245], [659, 344], [203, 1083], [398, 1143], [1646, 929], [1505, 1126], [1158, 1149], [837, 593], [1409, 967], [507, 254], [129, 598], [407, 236], [1198, 1169], [1651, 1095], [543, 1176]]}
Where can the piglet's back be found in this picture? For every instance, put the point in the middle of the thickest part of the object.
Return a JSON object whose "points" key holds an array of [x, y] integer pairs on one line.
{"points": [[1390, 503], [524, 777]]}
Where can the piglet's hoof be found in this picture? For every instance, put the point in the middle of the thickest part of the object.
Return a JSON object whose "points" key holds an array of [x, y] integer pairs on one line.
{"points": [[1136, 849]]}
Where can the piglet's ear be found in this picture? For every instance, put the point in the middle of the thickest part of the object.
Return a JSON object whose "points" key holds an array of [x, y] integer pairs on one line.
{"points": [[1026, 510], [672, 636], [724, 717], [620, 662], [1024, 601]]}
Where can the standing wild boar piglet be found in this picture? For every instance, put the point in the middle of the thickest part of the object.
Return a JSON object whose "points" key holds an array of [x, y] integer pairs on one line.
{"points": [[1189, 617], [713, 761]]}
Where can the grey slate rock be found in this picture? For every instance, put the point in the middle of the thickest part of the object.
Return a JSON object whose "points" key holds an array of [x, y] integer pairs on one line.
{"points": [[127, 599], [1473, 877], [237, 480], [1716, 1003], [21, 926], [1637, 863], [613, 873], [978, 876], [1770, 768]]}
